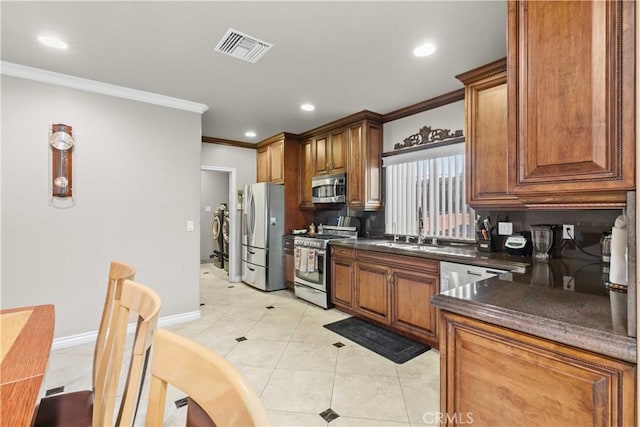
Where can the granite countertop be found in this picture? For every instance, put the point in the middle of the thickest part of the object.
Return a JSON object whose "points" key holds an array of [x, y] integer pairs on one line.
{"points": [[462, 254], [563, 300]]}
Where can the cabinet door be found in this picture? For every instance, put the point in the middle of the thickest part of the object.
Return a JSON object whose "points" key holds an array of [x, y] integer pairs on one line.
{"points": [[320, 155], [342, 281], [263, 164], [495, 376], [372, 292], [306, 173], [276, 162], [364, 187], [571, 96], [289, 272], [338, 154], [412, 312], [490, 169]]}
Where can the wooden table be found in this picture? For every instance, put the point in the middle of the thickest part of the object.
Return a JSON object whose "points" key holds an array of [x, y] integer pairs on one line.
{"points": [[27, 333]]}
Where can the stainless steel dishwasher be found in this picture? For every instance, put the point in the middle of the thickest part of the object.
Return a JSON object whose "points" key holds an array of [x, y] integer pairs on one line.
{"points": [[453, 275]]}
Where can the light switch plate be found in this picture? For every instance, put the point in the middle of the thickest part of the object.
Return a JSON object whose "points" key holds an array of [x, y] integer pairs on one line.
{"points": [[505, 228], [207, 208], [189, 225]]}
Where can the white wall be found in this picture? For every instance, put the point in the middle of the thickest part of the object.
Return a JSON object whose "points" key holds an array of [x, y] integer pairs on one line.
{"points": [[450, 116], [227, 156], [137, 182]]}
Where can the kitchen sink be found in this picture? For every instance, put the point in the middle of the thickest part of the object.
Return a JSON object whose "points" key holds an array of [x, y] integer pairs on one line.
{"points": [[399, 245], [469, 252]]}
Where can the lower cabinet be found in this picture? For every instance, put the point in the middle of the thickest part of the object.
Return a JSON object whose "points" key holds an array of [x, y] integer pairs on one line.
{"points": [[288, 262], [342, 277], [373, 292], [390, 290], [411, 311], [492, 375]]}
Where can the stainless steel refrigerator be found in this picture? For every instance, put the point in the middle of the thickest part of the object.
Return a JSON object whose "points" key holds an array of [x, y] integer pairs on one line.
{"points": [[262, 231]]}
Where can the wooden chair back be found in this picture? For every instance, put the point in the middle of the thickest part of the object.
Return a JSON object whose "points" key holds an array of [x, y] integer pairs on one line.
{"points": [[145, 304], [118, 273], [207, 378]]}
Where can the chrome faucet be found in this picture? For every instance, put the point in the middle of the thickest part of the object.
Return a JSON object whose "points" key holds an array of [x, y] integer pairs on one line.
{"points": [[395, 235], [421, 235]]}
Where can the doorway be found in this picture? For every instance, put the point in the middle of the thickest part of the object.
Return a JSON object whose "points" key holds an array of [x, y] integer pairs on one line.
{"points": [[212, 178]]}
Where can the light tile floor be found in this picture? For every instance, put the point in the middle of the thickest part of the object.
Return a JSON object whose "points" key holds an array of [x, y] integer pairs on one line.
{"points": [[290, 360]]}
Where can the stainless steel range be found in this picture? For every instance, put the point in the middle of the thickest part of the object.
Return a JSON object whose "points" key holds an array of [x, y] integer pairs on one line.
{"points": [[312, 264]]}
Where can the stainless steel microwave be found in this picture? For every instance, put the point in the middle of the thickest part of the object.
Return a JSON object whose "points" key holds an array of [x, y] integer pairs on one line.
{"points": [[329, 188]]}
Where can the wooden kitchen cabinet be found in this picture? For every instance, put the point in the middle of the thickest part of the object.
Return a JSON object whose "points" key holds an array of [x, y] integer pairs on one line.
{"points": [[270, 162], [392, 290], [489, 167], [571, 95], [330, 153], [411, 290], [372, 291], [364, 169], [352, 145], [306, 173], [288, 261], [490, 374], [278, 162], [263, 165], [342, 277]]}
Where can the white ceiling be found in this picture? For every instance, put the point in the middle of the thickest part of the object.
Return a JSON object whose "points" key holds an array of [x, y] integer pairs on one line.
{"points": [[341, 56]]}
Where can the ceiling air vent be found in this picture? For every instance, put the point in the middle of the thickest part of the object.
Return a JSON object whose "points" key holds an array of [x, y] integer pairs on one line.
{"points": [[241, 46]]}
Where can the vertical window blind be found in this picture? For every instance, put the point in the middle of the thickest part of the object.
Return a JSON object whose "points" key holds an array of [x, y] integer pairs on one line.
{"points": [[426, 190]]}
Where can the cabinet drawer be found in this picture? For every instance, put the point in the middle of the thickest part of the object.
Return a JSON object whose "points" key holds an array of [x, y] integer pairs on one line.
{"points": [[415, 263], [342, 252]]}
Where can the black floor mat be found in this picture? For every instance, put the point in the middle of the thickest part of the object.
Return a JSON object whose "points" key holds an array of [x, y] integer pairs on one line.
{"points": [[394, 347]]}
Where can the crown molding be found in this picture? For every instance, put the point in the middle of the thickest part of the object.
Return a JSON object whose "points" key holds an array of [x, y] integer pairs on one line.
{"points": [[221, 141], [59, 79]]}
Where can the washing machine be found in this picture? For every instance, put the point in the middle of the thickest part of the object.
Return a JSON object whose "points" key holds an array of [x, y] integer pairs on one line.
{"points": [[225, 239], [216, 235]]}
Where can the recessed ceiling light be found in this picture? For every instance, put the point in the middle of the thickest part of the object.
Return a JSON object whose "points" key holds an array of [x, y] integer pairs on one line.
{"points": [[307, 107], [250, 134], [52, 42], [424, 49]]}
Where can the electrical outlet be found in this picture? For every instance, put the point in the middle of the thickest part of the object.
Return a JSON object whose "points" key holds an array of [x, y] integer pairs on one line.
{"points": [[567, 283], [505, 228], [567, 231]]}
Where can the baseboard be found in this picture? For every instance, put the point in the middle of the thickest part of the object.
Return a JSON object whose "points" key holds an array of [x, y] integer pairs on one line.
{"points": [[90, 337]]}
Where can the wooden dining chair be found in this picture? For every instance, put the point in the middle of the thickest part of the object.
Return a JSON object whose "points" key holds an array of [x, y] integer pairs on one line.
{"points": [[97, 407], [218, 394]]}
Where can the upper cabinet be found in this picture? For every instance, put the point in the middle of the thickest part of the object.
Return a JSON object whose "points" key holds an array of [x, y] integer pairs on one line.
{"points": [[571, 101], [352, 145], [364, 169], [270, 162], [330, 153], [278, 162], [489, 165], [306, 173]]}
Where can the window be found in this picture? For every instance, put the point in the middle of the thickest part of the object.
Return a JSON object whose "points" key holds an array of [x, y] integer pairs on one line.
{"points": [[426, 190]]}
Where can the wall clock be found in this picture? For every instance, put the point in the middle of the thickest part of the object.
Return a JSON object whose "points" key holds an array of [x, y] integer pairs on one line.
{"points": [[61, 144]]}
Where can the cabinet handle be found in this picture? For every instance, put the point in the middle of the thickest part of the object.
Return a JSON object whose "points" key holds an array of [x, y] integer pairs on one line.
{"points": [[390, 278]]}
